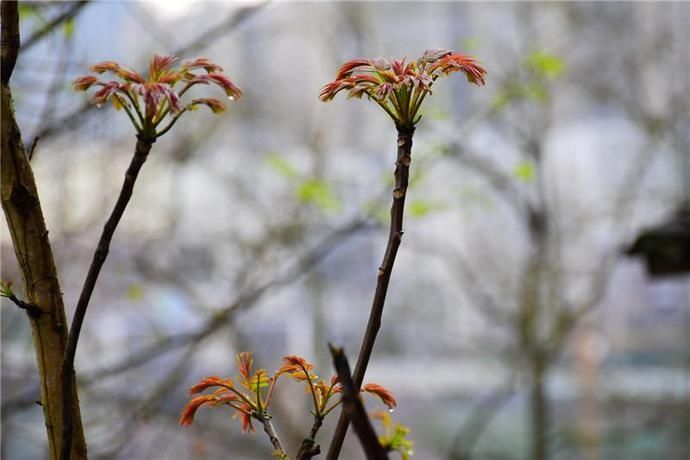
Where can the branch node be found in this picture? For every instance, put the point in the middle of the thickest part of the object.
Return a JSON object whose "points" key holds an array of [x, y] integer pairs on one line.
{"points": [[353, 406], [22, 198], [31, 308]]}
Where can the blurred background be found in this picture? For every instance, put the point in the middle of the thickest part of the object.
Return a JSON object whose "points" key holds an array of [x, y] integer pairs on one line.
{"points": [[536, 310]]}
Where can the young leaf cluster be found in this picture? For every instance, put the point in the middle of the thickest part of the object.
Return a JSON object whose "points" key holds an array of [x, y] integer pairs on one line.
{"points": [[400, 87], [249, 394], [153, 103]]}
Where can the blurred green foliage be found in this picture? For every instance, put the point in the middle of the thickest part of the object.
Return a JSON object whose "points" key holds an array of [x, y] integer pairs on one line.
{"points": [[469, 44], [542, 68], [419, 208], [68, 28], [28, 9], [525, 171], [281, 165], [432, 112], [308, 190], [135, 292], [544, 64], [317, 192]]}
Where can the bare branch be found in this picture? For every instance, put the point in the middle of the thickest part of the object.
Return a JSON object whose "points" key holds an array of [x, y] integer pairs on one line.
{"points": [[230, 24], [67, 15], [143, 147], [31, 308], [402, 172], [354, 408]]}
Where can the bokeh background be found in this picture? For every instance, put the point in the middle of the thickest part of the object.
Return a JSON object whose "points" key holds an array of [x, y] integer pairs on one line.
{"points": [[514, 318]]}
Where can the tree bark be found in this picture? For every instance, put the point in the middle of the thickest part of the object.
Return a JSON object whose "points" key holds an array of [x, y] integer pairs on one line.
{"points": [[22, 208]]}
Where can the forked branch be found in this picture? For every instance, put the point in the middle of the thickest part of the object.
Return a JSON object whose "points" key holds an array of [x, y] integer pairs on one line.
{"points": [[354, 408]]}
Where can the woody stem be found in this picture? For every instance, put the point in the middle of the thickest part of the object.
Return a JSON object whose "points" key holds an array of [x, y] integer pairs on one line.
{"points": [[141, 152], [270, 431], [309, 449], [402, 171]]}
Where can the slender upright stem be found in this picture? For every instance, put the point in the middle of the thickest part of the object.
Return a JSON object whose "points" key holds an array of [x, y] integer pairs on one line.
{"points": [[268, 428], [141, 152], [402, 171]]}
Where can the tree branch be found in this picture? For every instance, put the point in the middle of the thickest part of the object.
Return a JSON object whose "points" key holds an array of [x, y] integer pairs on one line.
{"points": [[230, 23], [402, 172], [354, 408], [141, 152], [270, 431], [68, 14], [309, 449], [31, 308], [22, 208]]}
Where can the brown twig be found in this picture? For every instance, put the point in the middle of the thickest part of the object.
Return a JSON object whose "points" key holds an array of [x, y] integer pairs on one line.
{"points": [[270, 431], [141, 152], [309, 448], [402, 171], [354, 408], [31, 308], [32, 149]]}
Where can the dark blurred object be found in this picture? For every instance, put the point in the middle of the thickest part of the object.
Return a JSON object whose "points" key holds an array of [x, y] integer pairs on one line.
{"points": [[666, 247]]}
